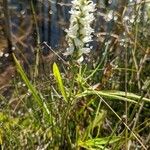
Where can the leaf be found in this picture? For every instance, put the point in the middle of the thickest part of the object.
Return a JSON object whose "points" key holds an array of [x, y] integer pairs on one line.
{"points": [[111, 95], [31, 87], [99, 118], [104, 94], [129, 95], [98, 142], [58, 78]]}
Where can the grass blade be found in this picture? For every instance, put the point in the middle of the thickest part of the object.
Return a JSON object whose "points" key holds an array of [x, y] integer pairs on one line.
{"points": [[119, 95], [58, 78], [32, 89], [97, 142]]}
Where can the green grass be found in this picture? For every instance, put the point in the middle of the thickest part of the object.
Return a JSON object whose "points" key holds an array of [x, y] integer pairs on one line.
{"points": [[54, 117], [100, 105]]}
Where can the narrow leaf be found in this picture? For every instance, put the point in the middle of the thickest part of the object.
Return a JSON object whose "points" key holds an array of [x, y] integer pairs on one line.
{"points": [[98, 142], [58, 78], [32, 89]]}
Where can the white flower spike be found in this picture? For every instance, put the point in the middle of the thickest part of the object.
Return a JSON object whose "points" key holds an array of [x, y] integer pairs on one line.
{"points": [[80, 30]]}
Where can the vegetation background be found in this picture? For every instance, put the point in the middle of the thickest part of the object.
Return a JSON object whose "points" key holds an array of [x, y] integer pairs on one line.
{"points": [[51, 101]]}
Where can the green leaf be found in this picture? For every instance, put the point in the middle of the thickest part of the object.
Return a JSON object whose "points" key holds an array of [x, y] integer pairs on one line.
{"points": [[58, 78], [98, 142], [128, 95], [111, 95], [31, 87]]}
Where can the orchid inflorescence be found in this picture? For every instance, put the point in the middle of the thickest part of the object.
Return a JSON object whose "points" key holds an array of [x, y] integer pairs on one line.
{"points": [[80, 31]]}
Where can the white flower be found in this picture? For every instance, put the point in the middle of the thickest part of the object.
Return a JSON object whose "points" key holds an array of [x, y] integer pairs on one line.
{"points": [[6, 54], [80, 30], [85, 50], [110, 15], [80, 59], [73, 32], [87, 39]]}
